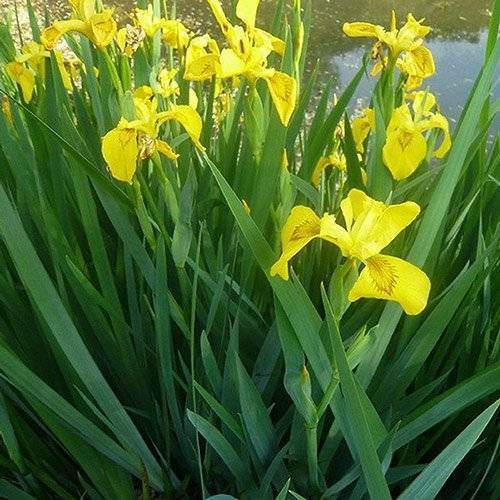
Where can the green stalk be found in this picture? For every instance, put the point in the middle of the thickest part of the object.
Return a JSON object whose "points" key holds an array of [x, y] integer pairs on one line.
{"points": [[312, 455], [192, 360]]}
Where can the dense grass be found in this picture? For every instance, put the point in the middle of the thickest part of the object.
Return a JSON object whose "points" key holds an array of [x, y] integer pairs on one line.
{"points": [[144, 347]]}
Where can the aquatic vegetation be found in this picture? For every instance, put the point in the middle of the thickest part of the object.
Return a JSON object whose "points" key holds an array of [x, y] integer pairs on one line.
{"points": [[219, 278]]}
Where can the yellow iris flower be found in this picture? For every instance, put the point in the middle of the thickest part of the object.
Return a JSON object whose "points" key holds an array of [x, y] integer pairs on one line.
{"points": [[417, 65], [202, 59], [129, 39], [361, 126], [336, 160], [247, 55], [146, 19], [23, 76], [406, 147], [98, 27], [174, 33], [370, 226], [404, 46], [30, 63], [135, 140]]}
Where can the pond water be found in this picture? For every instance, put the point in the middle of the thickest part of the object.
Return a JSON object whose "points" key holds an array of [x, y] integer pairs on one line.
{"points": [[457, 39]]}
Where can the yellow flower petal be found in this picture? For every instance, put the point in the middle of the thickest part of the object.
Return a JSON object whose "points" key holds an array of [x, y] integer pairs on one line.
{"points": [[202, 68], [264, 38], [333, 160], [403, 152], [83, 8], [414, 28], [166, 150], [175, 34], [390, 278], [301, 227], [219, 15], [321, 166], [188, 118], [143, 93], [361, 29], [100, 29], [24, 76], [246, 10], [231, 64], [439, 121], [423, 60], [378, 67], [401, 119], [423, 102], [34, 54], [5, 109], [391, 221], [283, 90], [354, 204], [103, 28], [246, 207], [51, 35], [121, 39], [120, 150], [147, 20], [371, 224], [193, 99], [334, 233], [417, 64], [62, 69], [362, 126]]}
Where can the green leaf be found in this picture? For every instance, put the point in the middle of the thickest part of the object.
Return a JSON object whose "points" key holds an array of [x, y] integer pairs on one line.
{"points": [[221, 412], [320, 140], [455, 399], [220, 444], [183, 233], [12, 492], [432, 478], [8, 436], [363, 438], [254, 413], [354, 176], [34, 388], [284, 491], [43, 293]]}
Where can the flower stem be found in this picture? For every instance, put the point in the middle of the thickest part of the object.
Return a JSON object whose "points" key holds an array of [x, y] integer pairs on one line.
{"points": [[312, 456]]}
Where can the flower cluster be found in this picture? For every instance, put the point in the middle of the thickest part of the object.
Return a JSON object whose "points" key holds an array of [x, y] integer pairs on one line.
{"points": [[371, 225], [175, 64], [246, 56], [406, 146]]}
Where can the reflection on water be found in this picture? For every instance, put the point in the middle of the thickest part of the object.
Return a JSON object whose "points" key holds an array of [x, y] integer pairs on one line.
{"points": [[457, 39]]}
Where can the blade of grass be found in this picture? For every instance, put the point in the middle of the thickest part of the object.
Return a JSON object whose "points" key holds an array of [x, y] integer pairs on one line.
{"points": [[433, 477], [46, 298], [362, 434]]}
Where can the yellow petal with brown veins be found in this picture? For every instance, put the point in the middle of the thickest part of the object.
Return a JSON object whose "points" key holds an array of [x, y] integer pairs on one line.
{"points": [[120, 150], [390, 278]]}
